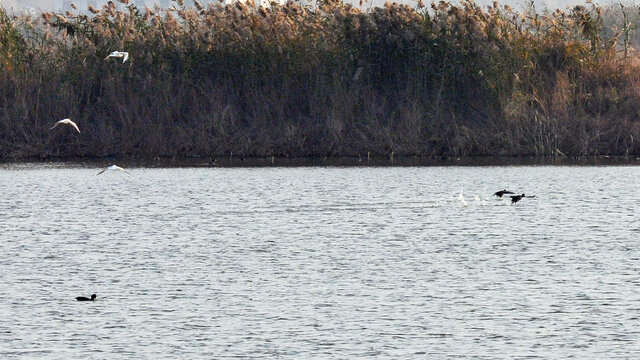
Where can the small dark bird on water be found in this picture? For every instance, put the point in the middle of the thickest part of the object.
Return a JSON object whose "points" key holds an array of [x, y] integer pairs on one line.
{"points": [[502, 192], [82, 298], [516, 198]]}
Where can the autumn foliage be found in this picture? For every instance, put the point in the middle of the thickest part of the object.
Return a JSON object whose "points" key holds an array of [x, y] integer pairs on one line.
{"points": [[331, 80]]}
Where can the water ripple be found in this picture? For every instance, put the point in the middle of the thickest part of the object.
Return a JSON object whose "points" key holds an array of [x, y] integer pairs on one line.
{"points": [[319, 263]]}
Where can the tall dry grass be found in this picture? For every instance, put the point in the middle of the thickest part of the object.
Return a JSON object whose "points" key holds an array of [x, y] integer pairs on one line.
{"points": [[291, 81]]}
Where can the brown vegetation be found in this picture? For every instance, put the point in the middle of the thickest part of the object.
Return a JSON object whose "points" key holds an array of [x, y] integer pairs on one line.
{"points": [[290, 81]]}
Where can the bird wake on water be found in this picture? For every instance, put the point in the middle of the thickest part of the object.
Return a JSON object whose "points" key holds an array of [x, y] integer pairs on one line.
{"points": [[461, 198], [483, 201]]}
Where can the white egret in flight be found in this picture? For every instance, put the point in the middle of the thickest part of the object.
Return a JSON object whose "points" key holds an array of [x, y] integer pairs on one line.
{"points": [[66, 122], [113, 167], [119, 54]]}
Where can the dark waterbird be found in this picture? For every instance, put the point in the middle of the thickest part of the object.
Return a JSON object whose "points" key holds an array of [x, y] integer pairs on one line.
{"points": [[516, 198], [82, 298], [502, 192]]}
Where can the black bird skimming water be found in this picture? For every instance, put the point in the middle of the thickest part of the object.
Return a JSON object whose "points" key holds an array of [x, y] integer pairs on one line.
{"points": [[516, 198], [502, 192]]}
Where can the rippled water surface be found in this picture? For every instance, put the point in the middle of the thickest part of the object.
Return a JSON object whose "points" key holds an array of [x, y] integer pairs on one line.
{"points": [[319, 263]]}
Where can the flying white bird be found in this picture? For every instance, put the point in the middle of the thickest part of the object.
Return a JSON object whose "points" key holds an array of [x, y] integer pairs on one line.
{"points": [[119, 54], [113, 167], [66, 122]]}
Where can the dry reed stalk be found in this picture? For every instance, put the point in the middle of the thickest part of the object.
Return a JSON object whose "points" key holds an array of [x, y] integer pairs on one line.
{"points": [[333, 81]]}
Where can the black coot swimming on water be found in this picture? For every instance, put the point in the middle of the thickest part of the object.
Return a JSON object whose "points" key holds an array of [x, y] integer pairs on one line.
{"points": [[82, 298], [502, 192]]}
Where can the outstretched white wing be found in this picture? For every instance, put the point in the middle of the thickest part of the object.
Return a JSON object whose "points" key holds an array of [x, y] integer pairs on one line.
{"points": [[119, 54], [66, 122], [113, 167], [116, 167]]}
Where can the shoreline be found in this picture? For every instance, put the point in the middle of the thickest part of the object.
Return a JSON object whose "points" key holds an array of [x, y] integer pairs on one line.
{"points": [[471, 161]]}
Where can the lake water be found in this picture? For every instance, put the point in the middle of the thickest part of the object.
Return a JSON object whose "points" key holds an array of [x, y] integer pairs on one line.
{"points": [[319, 263]]}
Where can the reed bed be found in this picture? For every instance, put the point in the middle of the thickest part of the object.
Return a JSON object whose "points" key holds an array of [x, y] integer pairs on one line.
{"points": [[294, 81]]}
